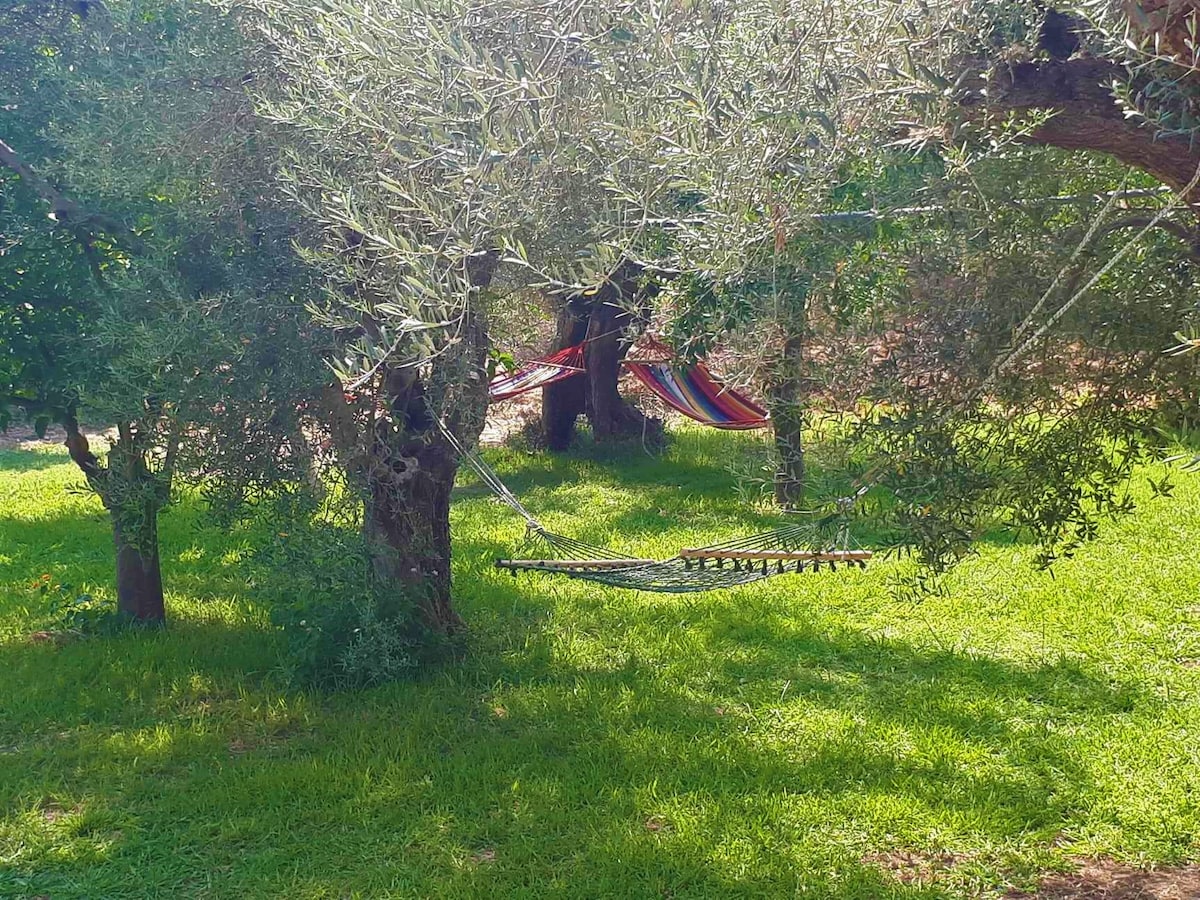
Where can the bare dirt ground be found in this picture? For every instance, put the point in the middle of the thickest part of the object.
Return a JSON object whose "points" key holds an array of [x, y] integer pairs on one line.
{"points": [[1093, 879], [506, 418], [1105, 879], [503, 421], [21, 436]]}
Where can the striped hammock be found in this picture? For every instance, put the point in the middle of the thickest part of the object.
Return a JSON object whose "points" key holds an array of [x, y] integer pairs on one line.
{"points": [[538, 373], [695, 393]]}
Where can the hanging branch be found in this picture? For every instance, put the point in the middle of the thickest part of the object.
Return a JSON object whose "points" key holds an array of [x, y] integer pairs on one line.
{"points": [[1189, 236], [67, 212]]}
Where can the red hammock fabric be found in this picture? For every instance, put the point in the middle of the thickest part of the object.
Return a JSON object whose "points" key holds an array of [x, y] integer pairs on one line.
{"points": [[695, 393], [538, 373]]}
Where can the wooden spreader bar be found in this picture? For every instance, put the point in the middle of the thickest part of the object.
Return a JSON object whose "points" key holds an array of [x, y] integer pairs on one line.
{"points": [[754, 560], [572, 564], [782, 555]]}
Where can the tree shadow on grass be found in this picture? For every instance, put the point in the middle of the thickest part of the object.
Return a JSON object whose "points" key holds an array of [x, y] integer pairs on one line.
{"points": [[733, 751], [614, 778]]}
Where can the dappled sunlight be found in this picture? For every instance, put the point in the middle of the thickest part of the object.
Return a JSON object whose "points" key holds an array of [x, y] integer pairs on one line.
{"points": [[72, 833], [765, 739]]}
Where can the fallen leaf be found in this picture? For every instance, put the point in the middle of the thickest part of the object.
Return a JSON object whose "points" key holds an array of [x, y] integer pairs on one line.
{"points": [[657, 824]]}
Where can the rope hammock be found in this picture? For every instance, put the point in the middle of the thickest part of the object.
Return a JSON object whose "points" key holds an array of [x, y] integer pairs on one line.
{"points": [[713, 567], [794, 547]]}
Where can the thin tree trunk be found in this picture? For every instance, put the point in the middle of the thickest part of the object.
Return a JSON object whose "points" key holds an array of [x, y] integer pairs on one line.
{"points": [[139, 577], [786, 400]]}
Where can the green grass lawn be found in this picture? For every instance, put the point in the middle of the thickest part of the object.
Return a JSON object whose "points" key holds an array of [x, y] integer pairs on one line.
{"points": [[801, 736]]}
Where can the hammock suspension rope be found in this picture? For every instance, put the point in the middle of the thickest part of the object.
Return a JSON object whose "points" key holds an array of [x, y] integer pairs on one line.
{"points": [[795, 547]]}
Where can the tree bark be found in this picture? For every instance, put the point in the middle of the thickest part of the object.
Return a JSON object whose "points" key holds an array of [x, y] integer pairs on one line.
{"points": [[1086, 115], [785, 397], [139, 577], [563, 402], [407, 527], [407, 466], [601, 319]]}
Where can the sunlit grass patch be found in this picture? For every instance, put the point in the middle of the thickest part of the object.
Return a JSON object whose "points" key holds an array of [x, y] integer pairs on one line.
{"points": [[804, 734]]}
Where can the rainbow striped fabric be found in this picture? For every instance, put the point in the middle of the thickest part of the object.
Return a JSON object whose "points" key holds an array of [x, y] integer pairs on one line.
{"points": [[538, 373], [695, 393]]}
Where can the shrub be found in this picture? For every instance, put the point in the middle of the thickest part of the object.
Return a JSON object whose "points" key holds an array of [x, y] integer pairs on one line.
{"points": [[340, 629]]}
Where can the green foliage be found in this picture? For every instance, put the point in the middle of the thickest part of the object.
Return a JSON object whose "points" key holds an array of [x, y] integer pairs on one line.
{"points": [[46, 294], [568, 144], [75, 613], [129, 299], [746, 151], [341, 628], [500, 361], [980, 384]]}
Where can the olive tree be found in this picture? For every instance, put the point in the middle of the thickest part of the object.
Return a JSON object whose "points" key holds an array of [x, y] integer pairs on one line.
{"points": [[453, 152], [454, 149], [125, 252]]}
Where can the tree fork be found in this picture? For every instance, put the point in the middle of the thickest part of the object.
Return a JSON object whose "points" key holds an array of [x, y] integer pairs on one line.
{"points": [[409, 475], [599, 318]]}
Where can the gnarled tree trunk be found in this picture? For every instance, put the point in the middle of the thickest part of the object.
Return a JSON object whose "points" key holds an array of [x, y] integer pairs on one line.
{"points": [[406, 466], [139, 577], [409, 477], [602, 320], [407, 527]]}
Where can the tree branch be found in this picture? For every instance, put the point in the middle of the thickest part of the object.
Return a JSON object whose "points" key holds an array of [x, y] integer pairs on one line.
{"points": [[81, 453], [1087, 116], [63, 209], [1189, 236]]}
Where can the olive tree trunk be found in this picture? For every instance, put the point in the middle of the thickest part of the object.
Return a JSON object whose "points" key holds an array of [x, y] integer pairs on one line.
{"points": [[134, 522], [407, 527], [139, 577], [785, 398], [406, 466], [602, 319]]}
